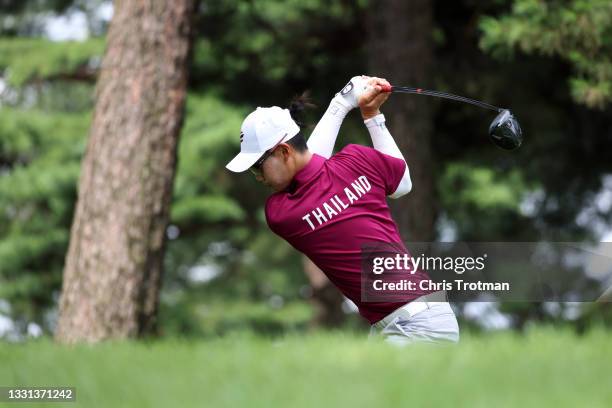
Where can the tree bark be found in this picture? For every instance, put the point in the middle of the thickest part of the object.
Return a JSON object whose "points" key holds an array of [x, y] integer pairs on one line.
{"points": [[113, 267], [400, 50]]}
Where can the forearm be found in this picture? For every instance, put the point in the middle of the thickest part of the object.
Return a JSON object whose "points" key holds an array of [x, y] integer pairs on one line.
{"points": [[381, 137], [384, 142], [323, 137]]}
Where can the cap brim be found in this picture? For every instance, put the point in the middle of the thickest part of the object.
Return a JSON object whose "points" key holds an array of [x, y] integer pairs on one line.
{"points": [[243, 161]]}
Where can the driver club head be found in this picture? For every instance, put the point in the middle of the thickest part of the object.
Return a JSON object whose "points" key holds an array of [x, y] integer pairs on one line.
{"points": [[505, 131]]}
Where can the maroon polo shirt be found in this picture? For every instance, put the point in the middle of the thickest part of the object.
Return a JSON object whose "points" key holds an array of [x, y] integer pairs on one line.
{"points": [[335, 206]]}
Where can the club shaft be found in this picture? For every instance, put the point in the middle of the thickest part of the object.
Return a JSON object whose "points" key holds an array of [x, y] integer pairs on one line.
{"points": [[419, 91]]}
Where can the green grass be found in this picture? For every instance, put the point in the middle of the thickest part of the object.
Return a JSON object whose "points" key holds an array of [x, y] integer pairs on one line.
{"points": [[546, 367]]}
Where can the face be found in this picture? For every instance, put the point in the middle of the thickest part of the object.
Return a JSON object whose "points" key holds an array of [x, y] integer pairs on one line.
{"points": [[277, 169]]}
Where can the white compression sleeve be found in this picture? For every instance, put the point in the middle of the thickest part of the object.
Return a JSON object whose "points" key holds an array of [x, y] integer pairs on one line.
{"points": [[323, 137], [383, 142]]}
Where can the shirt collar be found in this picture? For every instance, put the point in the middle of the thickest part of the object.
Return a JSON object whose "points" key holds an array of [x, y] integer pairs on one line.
{"points": [[310, 169]]}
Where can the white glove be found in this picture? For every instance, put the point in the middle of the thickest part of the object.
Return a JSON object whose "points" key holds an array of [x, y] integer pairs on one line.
{"points": [[349, 95], [323, 137]]}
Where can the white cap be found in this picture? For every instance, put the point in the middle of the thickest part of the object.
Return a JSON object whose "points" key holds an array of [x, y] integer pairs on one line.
{"points": [[263, 129]]}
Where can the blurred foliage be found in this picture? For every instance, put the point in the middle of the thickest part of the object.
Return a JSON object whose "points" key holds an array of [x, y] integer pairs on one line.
{"points": [[27, 59], [39, 164], [25, 17], [474, 193], [578, 31], [29, 18], [217, 317], [264, 52], [224, 269]]}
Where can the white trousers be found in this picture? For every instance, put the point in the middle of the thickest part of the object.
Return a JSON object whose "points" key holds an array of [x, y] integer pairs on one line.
{"points": [[436, 324]]}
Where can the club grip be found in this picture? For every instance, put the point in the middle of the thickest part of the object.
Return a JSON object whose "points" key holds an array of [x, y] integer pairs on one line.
{"points": [[386, 88]]}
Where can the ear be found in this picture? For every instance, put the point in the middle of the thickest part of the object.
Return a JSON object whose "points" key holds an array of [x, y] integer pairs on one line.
{"points": [[285, 151]]}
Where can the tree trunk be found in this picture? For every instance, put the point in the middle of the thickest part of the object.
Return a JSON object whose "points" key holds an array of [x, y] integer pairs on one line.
{"points": [[113, 268], [400, 50]]}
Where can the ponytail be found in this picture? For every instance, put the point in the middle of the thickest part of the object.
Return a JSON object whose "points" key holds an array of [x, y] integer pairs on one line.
{"points": [[297, 106]]}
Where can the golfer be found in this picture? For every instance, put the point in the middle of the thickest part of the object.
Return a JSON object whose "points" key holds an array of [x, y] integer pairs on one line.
{"points": [[328, 206]]}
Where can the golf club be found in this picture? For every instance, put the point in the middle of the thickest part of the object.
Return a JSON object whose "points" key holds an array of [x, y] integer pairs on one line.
{"points": [[504, 131]]}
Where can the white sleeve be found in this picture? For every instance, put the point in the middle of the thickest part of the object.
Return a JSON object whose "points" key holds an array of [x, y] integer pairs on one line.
{"points": [[323, 137], [383, 142]]}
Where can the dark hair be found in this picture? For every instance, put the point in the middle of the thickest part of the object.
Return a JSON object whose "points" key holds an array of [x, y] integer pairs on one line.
{"points": [[296, 108]]}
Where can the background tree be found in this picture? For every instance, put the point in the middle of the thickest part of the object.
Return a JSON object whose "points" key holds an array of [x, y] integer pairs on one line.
{"points": [[401, 51], [113, 267]]}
